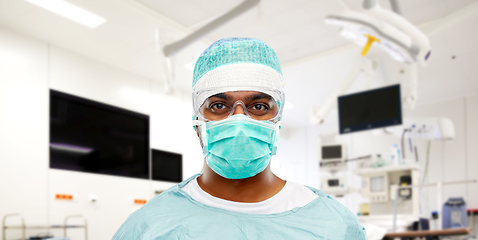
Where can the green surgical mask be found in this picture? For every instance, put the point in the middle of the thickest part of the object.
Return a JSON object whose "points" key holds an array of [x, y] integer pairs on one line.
{"points": [[239, 147]]}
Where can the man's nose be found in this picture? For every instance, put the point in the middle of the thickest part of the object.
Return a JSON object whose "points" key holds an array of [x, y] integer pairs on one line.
{"points": [[239, 110]]}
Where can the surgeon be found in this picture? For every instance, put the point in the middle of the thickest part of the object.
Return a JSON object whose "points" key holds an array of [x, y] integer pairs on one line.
{"points": [[238, 99]]}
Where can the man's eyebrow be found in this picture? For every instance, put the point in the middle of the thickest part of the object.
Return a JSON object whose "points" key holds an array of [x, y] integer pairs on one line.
{"points": [[258, 96], [221, 96]]}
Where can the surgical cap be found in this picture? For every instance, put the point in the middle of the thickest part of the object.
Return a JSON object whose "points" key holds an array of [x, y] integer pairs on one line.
{"points": [[236, 64]]}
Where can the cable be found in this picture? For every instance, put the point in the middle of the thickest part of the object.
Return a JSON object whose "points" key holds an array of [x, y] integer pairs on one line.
{"points": [[416, 154], [425, 176], [426, 163], [443, 161], [428, 189], [366, 157], [358, 158], [410, 142], [403, 149]]}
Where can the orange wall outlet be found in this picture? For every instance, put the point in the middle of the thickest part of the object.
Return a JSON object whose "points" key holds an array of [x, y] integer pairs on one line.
{"points": [[59, 196], [140, 201]]}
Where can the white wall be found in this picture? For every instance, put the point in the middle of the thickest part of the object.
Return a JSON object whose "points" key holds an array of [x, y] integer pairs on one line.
{"points": [[471, 149], [28, 69], [23, 128]]}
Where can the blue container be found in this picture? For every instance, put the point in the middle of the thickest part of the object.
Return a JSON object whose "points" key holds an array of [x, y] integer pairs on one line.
{"points": [[454, 213]]}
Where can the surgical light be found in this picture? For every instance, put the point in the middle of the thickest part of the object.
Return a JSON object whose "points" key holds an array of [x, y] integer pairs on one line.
{"points": [[403, 41], [365, 30], [70, 11]]}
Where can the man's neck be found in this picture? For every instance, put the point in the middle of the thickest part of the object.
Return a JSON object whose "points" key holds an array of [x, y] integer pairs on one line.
{"points": [[254, 189]]}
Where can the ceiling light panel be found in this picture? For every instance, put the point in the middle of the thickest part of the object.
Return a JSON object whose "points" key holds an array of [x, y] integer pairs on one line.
{"points": [[70, 11]]}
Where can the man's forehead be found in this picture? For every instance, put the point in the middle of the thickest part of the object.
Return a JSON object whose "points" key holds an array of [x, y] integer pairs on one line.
{"points": [[246, 95]]}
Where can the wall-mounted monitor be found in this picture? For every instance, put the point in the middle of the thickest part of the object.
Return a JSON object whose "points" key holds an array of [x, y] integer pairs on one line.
{"points": [[371, 109], [167, 166], [93, 137], [333, 153]]}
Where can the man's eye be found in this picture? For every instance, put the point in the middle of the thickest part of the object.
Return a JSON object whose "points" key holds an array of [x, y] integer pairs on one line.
{"points": [[259, 107], [218, 106]]}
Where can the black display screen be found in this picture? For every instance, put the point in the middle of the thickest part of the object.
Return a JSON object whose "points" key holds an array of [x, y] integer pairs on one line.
{"points": [[333, 182], [370, 109], [93, 137], [331, 152], [167, 166]]}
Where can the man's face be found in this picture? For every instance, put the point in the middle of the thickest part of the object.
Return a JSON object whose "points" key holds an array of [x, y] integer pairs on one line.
{"points": [[257, 105]]}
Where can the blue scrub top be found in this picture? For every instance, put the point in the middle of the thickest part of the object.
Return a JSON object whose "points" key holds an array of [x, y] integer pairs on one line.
{"points": [[175, 215]]}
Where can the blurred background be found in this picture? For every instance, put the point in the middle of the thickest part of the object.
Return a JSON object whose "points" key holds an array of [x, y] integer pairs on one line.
{"points": [[95, 109]]}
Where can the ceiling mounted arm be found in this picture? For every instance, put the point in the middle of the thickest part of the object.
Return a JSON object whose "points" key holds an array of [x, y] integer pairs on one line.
{"points": [[318, 114], [176, 47], [372, 3], [395, 7]]}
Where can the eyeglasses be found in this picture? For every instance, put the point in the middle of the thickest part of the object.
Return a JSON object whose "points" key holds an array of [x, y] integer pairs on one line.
{"points": [[256, 105]]}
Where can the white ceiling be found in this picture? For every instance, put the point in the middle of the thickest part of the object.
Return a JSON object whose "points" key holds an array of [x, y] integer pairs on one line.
{"points": [[294, 28]]}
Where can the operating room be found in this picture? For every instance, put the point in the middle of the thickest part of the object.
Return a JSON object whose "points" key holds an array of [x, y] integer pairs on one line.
{"points": [[98, 117]]}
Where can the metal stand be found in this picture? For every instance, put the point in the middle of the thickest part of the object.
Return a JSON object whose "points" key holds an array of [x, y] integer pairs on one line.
{"points": [[23, 227]]}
